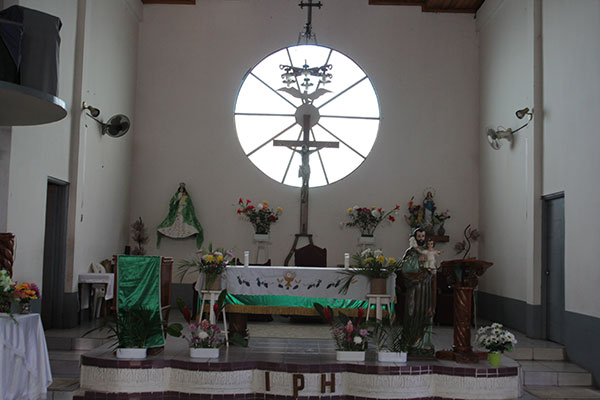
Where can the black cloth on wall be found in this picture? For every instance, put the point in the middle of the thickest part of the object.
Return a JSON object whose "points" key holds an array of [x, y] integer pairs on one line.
{"points": [[36, 53]]}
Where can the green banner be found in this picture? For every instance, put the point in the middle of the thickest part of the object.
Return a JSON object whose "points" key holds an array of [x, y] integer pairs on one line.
{"points": [[138, 289]]}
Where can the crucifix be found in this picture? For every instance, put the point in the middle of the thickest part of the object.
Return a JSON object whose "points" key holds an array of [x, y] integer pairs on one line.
{"points": [[307, 116], [308, 34]]}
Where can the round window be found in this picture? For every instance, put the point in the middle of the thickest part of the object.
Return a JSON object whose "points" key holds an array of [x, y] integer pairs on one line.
{"points": [[311, 98]]}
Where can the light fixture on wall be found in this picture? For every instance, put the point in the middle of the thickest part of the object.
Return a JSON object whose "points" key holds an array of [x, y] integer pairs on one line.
{"points": [[94, 112], [495, 135], [117, 125]]}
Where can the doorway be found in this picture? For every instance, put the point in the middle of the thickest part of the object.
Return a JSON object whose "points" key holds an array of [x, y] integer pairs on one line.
{"points": [[553, 265], [55, 253]]}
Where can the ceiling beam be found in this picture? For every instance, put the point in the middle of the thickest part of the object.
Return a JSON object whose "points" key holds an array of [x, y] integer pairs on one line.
{"points": [[437, 6]]}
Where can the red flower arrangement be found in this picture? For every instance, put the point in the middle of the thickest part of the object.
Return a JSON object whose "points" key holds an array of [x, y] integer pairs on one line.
{"points": [[261, 216]]}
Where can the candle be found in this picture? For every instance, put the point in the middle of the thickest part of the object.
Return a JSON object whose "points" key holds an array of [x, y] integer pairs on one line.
{"points": [[246, 258], [346, 260]]}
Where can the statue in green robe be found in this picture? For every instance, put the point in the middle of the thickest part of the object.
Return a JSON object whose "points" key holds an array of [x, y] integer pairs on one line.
{"points": [[181, 222], [418, 312]]}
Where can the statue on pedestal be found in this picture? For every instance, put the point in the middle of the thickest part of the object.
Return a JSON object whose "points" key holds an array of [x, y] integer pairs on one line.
{"points": [[419, 306]]}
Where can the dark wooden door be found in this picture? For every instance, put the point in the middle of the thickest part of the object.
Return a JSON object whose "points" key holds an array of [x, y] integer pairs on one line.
{"points": [[55, 252], [553, 265]]}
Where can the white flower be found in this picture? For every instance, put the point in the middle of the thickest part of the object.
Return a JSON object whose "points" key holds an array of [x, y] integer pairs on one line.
{"points": [[366, 253], [377, 253], [376, 213], [357, 340], [260, 206], [203, 335]]}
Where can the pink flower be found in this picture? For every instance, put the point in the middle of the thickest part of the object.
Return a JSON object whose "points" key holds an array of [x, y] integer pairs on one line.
{"points": [[363, 332], [349, 327]]}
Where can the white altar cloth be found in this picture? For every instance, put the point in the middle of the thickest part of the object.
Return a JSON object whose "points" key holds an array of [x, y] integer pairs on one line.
{"points": [[24, 363], [85, 280], [293, 281]]}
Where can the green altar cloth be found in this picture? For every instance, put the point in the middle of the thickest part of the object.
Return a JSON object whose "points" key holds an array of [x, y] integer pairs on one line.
{"points": [[290, 305], [138, 288]]}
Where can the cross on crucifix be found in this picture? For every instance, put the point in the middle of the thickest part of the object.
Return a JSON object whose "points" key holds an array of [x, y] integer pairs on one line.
{"points": [[307, 116], [308, 34]]}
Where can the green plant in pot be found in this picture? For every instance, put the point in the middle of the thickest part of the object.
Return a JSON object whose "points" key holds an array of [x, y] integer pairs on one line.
{"points": [[130, 331], [391, 344]]}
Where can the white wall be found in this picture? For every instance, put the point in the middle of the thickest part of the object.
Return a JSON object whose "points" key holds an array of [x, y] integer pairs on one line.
{"points": [[571, 139], [191, 63], [506, 67], [100, 178], [104, 172], [39, 152]]}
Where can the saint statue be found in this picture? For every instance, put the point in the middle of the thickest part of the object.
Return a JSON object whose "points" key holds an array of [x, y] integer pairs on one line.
{"points": [[428, 211], [419, 305], [181, 222]]}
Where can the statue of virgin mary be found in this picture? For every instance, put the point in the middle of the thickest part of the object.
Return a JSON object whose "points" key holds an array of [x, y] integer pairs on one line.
{"points": [[181, 222]]}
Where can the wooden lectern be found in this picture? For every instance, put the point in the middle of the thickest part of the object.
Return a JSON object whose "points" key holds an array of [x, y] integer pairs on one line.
{"points": [[464, 276]]}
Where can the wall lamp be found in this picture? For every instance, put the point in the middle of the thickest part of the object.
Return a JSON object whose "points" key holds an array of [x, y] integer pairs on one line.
{"points": [[494, 135], [117, 125]]}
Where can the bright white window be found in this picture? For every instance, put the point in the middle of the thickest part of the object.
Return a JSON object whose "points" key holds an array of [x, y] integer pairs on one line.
{"points": [[348, 114]]}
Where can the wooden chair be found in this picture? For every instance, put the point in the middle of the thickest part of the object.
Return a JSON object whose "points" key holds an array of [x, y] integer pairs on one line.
{"points": [[310, 256]]}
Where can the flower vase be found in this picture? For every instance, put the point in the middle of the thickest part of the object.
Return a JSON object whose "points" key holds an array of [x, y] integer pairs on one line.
{"points": [[25, 307], [204, 352], [215, 286], [5, 306], [366, 239], [378, 286], [494, 358], [131, 353], [441, 231], [350, 355], [261, 237]]}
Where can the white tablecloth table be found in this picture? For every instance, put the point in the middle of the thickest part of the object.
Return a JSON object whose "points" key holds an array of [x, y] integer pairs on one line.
{"points": [[292, 290], [85, 280], [24, 364]]}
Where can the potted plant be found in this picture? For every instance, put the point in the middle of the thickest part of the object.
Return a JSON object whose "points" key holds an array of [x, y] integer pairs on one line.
{"points": [[130, 331], [24, 293], [7, 286], [202, 337], [261, 217], [211, 263], [374, 265], [367, 219], [496, 340], [391, 344], [351, 337]]}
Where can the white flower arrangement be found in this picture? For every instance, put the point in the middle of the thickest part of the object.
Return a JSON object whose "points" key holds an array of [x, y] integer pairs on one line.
{"points": [[495, 338]]}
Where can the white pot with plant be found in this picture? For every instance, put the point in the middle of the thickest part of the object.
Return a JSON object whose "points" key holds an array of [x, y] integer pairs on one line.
{"points": [[131, 331], [351, 336], [496, 340], [204, 339], [391, 345]]}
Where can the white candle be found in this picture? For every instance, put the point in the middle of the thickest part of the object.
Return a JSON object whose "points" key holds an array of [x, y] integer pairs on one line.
{"points": [[246, 258], [346, 260]]}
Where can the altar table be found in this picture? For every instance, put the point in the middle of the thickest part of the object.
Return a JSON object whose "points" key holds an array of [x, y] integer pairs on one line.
{"points": [[24, 363], [291, 290]]}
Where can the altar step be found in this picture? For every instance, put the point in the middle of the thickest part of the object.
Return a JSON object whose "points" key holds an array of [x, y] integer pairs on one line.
{"points": [[64, 353]]}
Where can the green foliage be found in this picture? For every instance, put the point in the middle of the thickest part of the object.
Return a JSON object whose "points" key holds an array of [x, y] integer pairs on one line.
{"points": [[131, 329]]}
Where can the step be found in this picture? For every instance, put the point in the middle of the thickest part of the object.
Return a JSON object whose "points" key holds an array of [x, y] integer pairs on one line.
{"points": [[76, 343], [555, 393], [65, 364], [537, 353], [554, 373]]}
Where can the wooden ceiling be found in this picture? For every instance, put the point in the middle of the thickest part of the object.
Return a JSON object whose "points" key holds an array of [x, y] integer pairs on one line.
{"points": [[449, 6]]}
